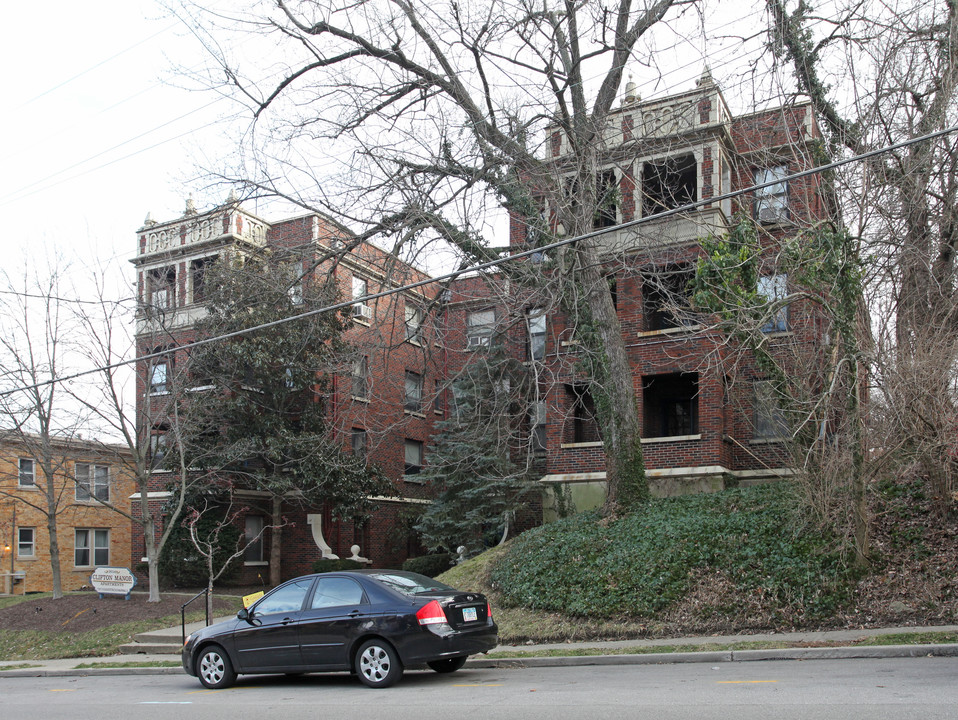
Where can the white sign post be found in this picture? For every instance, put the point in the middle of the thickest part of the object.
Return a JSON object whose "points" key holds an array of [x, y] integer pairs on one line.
{"points": [[113, 581]]}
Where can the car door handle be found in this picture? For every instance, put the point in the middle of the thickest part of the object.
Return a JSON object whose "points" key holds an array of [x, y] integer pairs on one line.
{"points": [[355, 613], [286, 621]]}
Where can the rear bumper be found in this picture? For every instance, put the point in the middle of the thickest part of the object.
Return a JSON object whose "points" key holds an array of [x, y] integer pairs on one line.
{"points": [[430, 645]]}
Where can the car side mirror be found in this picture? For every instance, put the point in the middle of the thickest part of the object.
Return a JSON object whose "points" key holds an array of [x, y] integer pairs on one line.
{"points": [[244, 614]]}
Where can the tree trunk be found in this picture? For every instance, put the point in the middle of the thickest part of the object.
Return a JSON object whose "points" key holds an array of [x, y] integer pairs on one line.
{"points": [[613, 391]]}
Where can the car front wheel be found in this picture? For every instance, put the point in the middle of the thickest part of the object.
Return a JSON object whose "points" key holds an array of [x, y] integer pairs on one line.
{"points": [[447, 665], [214, 669], [377, 664]]}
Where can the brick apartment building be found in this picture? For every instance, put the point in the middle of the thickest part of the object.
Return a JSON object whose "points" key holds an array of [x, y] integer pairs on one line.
{"points": [[381, 406], [703, 428], [705, 422], [89, 534]]}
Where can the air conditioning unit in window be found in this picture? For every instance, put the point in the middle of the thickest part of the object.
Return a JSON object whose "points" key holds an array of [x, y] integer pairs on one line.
{"points": [[772, 214], [478, 341], [363, 312]]}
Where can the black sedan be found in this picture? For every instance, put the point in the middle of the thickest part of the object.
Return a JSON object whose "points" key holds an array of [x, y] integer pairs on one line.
{"points": [[373, 623]]}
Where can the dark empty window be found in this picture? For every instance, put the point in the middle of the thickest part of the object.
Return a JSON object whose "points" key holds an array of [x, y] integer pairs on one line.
{"points": [[358, 442], [253, 535], [671, 405], [668, 184], [198, 271], [607, 200], [581, 425], [666, 298]]}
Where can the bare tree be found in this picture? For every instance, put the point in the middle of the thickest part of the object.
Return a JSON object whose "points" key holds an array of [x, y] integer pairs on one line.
{"points": [[105, 324], [900, 64], [448, 108], [35, 342]]}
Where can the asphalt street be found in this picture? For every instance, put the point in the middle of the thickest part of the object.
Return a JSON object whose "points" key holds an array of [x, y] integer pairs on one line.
{"points": [[876, 689]]}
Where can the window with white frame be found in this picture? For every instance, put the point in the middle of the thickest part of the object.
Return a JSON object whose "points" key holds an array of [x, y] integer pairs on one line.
{"points": [[295, 290], [92, 482], [537, 421], [159, 376], [480, 325], [413, 449], [27, 473], [774, 288], [26, 542], [413, 323], [771, 202], [536, 320], [91, 547], [253, 534], [412, 401], [360, 311], [159, 440], [161, 288], [360, 378]]}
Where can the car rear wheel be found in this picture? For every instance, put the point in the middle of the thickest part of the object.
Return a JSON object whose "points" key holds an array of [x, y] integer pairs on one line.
{"points": [[214, 669], [377, 664], [447, 665]]}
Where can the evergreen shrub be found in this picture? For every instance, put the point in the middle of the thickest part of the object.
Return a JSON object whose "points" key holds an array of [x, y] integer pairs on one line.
{"points": [[430, 565], [324, 565]]}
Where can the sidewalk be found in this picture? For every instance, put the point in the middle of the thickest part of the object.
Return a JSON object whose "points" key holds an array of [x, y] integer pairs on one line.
{"points": [[516, 656]]}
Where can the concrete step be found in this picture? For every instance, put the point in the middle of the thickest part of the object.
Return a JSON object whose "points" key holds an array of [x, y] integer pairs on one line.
{"points": [[168, 641]]}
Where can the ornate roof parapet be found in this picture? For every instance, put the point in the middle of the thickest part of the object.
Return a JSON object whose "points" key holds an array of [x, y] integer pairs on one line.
{"points": [[224, 224]]}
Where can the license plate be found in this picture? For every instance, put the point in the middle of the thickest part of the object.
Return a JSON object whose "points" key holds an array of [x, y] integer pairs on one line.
{"points": [[469, 615]]}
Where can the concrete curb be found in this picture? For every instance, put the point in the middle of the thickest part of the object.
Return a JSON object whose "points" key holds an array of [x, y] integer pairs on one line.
{"points": [[723, 656], [719, 656]]}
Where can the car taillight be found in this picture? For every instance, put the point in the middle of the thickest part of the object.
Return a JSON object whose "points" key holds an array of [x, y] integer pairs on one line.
{"points": [[488, 611], [431, 614]]}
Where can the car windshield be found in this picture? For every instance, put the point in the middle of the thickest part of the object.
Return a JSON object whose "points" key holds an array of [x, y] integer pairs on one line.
{"points": [[409, 583]]}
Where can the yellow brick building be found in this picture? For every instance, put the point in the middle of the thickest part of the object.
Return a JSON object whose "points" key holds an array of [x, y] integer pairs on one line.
{"points": [[90, 534]]}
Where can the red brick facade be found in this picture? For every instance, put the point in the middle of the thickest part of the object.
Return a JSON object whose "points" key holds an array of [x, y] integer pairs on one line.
{"points": [[698, 419]]}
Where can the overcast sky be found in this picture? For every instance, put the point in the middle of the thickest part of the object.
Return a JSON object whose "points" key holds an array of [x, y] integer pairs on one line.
{"points": [[93, 133], [96, 131]]}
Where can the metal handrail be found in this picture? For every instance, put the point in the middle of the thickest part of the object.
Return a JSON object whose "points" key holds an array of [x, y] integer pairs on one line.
{"points": [[183, 612]]}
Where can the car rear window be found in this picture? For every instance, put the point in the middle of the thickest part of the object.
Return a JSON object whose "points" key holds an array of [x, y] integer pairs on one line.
{"points": [[410, 583]]}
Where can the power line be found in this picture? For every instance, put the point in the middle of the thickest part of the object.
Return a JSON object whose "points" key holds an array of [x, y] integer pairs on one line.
{"points": [[499, 261]]}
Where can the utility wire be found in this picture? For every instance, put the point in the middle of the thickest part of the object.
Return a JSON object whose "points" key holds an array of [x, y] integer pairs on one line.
{"points": [[497, 262]]}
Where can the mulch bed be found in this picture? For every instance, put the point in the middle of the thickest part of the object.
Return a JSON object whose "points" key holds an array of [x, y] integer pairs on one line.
{"points": [[81, 612]]}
